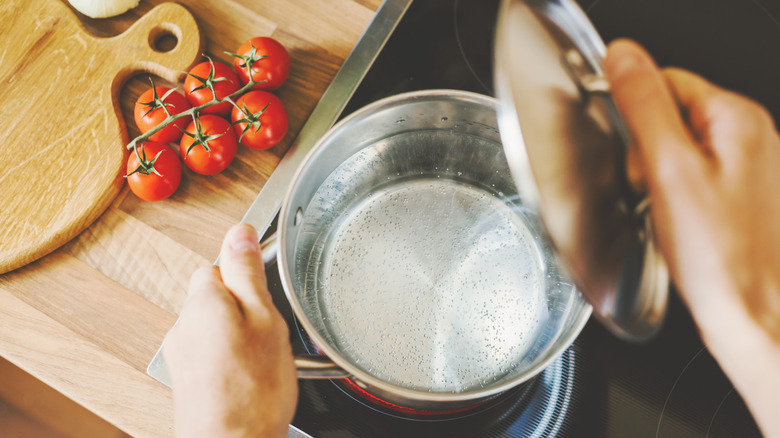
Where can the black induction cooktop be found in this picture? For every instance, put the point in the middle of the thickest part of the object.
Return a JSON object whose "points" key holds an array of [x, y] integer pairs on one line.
{"points": [[601, 387]]}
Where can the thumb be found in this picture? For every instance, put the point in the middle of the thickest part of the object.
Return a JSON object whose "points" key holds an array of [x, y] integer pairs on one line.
{"points": [[650, 110], [242, 270]]}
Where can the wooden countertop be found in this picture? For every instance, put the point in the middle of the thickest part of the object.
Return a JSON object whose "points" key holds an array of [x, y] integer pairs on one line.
{"points": [[88, 318]]}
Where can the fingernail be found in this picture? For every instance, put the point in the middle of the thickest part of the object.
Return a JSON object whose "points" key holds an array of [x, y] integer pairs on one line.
{"points": [[624, 57], [243, 238]]}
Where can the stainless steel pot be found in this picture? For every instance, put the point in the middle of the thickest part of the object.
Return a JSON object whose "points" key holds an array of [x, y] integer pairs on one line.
{"points": [[413, 264]]}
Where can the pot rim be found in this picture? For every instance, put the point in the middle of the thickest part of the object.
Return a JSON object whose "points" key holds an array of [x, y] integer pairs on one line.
{"points": [[360, 377]]}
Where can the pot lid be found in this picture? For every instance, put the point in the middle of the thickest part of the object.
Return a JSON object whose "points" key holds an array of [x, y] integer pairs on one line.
{"points": [[567, 147]]}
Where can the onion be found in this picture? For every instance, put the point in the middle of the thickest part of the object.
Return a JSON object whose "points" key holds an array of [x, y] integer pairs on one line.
{"points": [[103, 8]]}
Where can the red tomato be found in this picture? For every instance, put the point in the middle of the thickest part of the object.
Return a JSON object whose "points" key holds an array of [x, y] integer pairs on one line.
{"points": [[262, 121], [224, 81], [210, 148], [269, 60], [149, 113], [157, 175]]}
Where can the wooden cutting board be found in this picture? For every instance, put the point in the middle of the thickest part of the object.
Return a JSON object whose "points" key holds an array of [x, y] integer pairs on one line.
{"points": [[62, 135], [87, 318]]}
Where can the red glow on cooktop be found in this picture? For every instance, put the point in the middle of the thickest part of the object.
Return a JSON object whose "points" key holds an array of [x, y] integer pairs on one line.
{"points": [[403, 409]]}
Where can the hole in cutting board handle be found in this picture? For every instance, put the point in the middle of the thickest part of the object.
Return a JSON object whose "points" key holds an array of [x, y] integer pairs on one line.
{"points": [[164, 37]]}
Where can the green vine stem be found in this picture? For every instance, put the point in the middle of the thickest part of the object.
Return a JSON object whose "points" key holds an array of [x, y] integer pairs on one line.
{"points": [[199, 138], [145, 166], [251, 119], [190, 113]]}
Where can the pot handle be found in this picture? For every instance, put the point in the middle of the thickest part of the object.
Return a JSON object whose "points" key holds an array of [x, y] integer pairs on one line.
{"points": [[270, 248], [318, 367], [308, 366]]}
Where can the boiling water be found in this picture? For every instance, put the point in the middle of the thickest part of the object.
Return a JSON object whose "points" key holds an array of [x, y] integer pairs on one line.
{"points": [[432, 284]]}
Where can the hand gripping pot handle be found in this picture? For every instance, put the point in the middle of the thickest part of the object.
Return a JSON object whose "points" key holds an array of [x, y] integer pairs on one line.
{"points": [[308, 366]]}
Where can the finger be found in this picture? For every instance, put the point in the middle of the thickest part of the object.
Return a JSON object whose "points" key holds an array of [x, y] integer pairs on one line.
{"points": [[242, 268], [207, 298], [719, 118], [649, 108], [206, 289], [693, 93]]}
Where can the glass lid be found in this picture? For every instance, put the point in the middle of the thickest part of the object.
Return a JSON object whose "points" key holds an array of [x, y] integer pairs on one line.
{"points": [[567, 147]]}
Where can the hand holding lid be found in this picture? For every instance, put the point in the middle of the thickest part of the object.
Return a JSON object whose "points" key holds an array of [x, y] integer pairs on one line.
{"points": [[567, 148]]}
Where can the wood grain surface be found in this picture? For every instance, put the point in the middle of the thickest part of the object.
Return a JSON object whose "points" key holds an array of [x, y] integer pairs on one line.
{"points": [[62, 154], [30, 409], [87, 318]]}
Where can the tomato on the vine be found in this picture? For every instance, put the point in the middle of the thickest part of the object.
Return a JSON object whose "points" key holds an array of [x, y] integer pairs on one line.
{"points": [[208, 144], [261, 122], [152, 108], [268, 61], [157, 174], [221, 77]]}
